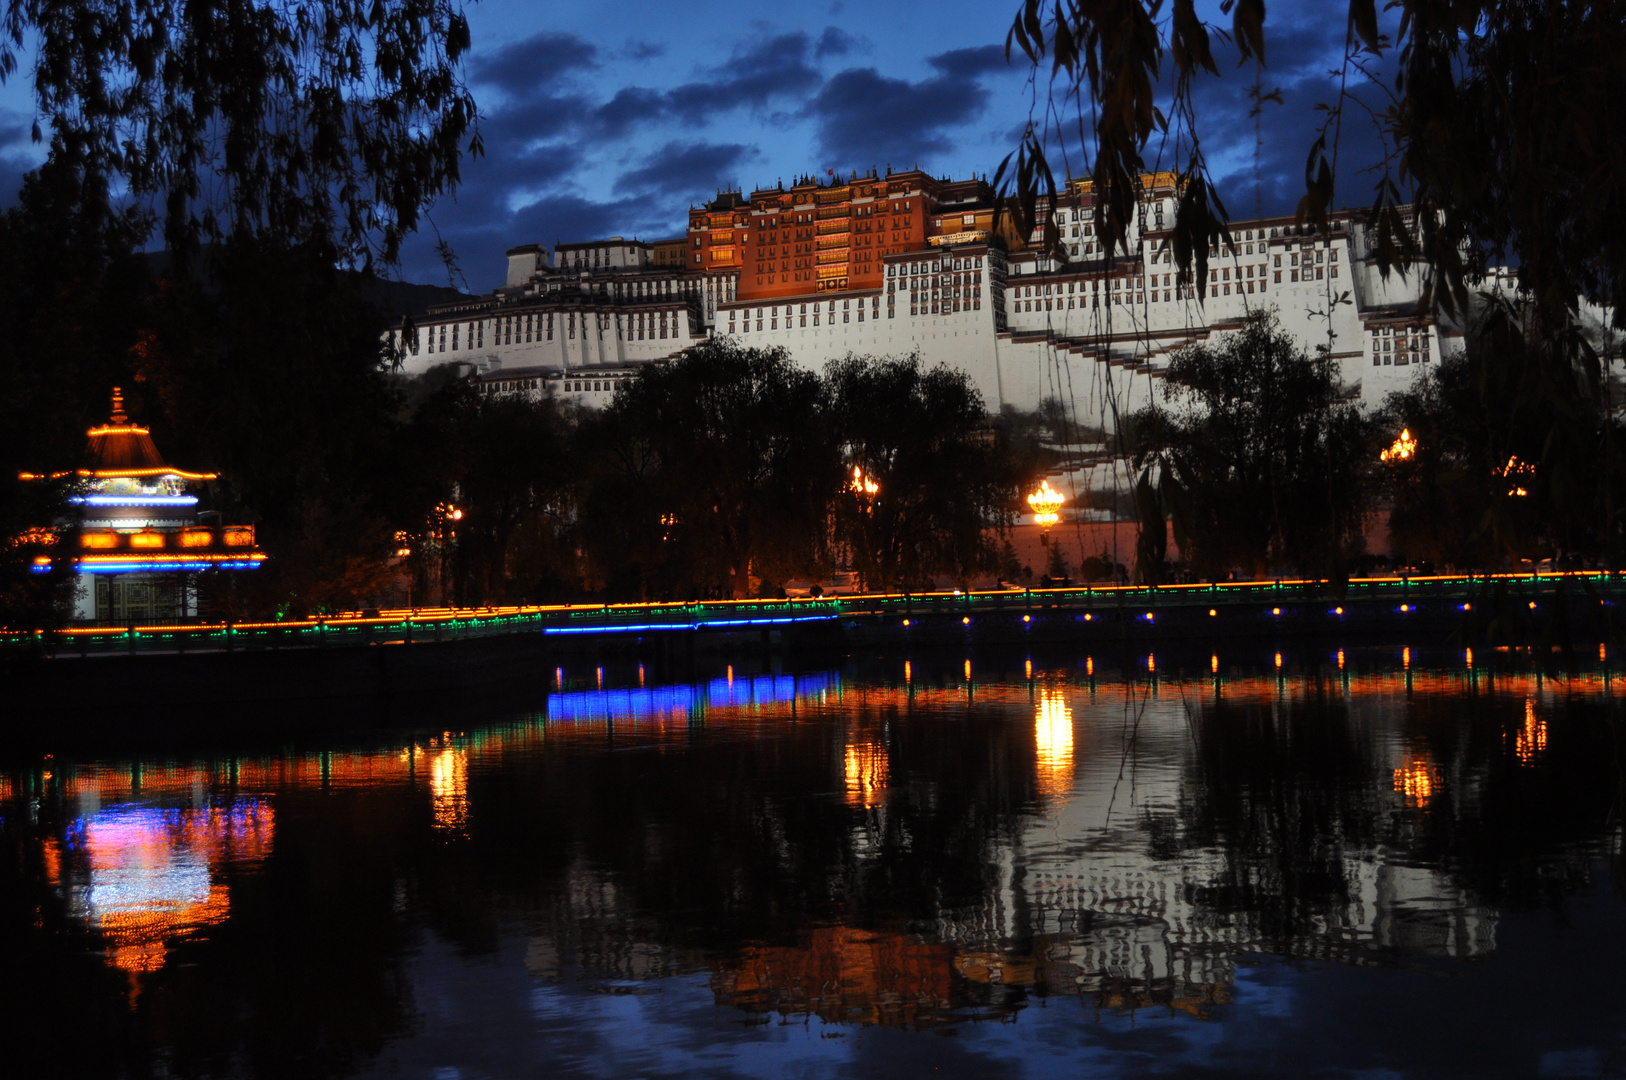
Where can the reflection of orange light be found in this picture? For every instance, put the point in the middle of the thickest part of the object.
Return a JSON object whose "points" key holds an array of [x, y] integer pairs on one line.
{"points": [[449, 788], [152, 873], [908, 672], [1340, 659], [865, 769], [1089, 666], [1027, 669], [1405, 657], [968, 671], [1213, 664], [1151, 662], [1417, 781], [1468, 657], [1053, 733], [1531, 739]]}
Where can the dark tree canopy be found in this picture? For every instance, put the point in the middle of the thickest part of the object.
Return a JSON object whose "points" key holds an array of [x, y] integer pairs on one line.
{"points": [[1258, 458], [1517, 453], [716, 468], [332, 121], [922, 438]]}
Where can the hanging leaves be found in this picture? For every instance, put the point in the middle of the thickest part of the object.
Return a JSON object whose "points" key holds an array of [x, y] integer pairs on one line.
{"points": [[333, 122]]}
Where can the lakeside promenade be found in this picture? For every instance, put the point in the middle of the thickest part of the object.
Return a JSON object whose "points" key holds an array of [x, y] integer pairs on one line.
{"points": [[1494, 608]]}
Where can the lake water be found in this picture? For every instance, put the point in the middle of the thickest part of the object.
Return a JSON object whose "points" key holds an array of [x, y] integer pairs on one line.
{"points": [[1374, 865]]}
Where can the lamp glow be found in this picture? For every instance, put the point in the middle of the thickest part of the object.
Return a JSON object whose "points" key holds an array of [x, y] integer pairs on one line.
{"points": [[1046, 504]]}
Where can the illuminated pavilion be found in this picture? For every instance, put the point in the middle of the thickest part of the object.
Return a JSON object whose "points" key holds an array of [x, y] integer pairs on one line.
{"points": [[142, 541]]}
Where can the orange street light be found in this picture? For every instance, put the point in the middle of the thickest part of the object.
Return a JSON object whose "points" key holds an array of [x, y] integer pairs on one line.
{"points": [[1046, 504]]}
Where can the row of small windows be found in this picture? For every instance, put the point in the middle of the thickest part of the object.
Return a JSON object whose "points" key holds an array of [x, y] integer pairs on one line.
{"points": [[933, 266], [569, 386], [1399, 346], [523, 329], [771, 320]]}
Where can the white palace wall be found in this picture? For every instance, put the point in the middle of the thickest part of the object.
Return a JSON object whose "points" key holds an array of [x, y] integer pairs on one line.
{"points": [[1023, 327]]}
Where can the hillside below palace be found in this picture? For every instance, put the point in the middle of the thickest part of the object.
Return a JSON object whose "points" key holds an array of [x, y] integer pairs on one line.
{"points": [[893, 264]]}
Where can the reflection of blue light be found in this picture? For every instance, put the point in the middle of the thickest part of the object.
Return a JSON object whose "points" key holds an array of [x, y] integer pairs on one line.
{"points": [[38, 569], [135, 500], [644, 703], [615, 628]]}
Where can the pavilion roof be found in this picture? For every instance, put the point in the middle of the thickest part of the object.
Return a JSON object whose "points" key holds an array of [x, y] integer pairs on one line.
{"points": [[121, 448]]}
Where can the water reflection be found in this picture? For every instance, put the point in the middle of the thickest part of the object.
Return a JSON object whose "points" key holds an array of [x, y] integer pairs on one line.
{"points": [[864, 769], [143, 877], [1531, 738], [449, 787], [1416, 781], [900, 851], [1053, 738]]}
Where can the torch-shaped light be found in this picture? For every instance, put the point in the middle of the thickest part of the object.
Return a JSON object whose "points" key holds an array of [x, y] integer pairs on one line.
{"points": [[1046, 504]]}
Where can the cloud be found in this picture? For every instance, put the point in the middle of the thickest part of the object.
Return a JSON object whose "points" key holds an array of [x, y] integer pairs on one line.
{"points": [[553, 143], [631, 105], [754, 76], [970, 63], [519, 69], [834, 42], [864, 118], [643, 50], [684, 170]]}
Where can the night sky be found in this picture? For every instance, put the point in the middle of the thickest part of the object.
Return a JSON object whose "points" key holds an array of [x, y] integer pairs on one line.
{"points": [[611, 116]]}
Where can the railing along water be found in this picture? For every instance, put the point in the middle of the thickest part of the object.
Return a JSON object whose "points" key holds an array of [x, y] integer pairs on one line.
{"points": [[1248, 606]]}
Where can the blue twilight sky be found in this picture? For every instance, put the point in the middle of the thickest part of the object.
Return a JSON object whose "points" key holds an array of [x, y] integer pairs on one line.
{"points": [[606, 117]]}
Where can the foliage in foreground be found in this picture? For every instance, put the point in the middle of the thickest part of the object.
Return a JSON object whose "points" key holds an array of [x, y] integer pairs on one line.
{"points": [[1259, 459]]}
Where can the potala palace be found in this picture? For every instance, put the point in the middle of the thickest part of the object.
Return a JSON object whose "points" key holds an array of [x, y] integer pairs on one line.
{"points": [[904, 262]]}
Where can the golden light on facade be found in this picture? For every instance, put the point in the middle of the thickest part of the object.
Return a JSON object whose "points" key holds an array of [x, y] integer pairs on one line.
{"points": [[1417, 782], [1402, 449], [1046, 504], [1053, 735], [865, 768], [1531, 739]]}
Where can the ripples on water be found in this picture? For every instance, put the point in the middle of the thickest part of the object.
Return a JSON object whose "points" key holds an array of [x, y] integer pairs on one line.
{"points": [[989, 867]]}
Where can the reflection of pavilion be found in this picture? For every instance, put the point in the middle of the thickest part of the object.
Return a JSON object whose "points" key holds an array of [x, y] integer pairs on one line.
{"points": [[144, 877]]}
